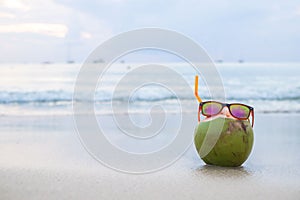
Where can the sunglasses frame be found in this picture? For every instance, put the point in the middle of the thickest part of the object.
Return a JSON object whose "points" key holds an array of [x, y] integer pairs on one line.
{"points": [[200, 110]]}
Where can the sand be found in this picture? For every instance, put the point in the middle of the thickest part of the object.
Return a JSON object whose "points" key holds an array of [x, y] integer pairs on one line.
{"points": [[41, 157]]}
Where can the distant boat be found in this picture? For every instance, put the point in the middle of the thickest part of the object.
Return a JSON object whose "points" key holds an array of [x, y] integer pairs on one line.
{"points": [[70, 61], [47, 62], [219, 61], [241, 61], [99, 61]]}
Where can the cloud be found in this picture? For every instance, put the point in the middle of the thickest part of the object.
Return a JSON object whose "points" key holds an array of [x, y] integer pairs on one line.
{"points": [[34, 31], [85, 35], [15, 4], [55, 30], [7, 15]]}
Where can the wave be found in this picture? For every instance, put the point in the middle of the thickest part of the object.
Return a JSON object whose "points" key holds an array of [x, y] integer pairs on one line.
{"points": [[22, 97], [55, 96]]}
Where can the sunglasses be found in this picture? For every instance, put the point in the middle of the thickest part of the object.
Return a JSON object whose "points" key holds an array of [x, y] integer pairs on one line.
{"points": [[237, 110], [213, 108]]}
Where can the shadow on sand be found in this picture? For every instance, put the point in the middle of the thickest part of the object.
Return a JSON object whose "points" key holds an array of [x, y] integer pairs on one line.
{"points": [[223, 172]]}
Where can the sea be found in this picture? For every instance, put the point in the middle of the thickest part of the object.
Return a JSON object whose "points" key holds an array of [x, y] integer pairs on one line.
{"points": [[48, 89]]}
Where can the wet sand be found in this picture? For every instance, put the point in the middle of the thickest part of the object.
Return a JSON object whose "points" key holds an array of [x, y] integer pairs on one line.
{"points": [[42, 158]]}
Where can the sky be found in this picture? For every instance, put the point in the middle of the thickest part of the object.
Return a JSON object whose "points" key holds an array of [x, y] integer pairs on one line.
{"points": [[61, 30]]}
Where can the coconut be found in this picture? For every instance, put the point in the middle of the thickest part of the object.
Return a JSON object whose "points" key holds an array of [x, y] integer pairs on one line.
{"points": [[223, 141]]}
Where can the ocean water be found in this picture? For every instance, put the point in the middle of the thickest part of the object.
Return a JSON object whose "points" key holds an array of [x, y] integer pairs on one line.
{"points": [[47, 89]]}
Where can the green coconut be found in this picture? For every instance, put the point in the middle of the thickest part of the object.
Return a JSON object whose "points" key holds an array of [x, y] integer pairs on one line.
{"points": [[228, 148]]}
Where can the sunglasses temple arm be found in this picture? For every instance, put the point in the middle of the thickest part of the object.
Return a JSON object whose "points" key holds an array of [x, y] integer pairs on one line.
{"points": [[252, 114], [199, 114], [196, 89]]}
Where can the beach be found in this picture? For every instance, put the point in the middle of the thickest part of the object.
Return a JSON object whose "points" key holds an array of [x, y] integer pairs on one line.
{"points": [[42, 158], [103, 100]]}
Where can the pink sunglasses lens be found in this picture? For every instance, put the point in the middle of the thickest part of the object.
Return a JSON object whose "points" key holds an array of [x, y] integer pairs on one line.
{"points": [[211, 108], [240, 111]]}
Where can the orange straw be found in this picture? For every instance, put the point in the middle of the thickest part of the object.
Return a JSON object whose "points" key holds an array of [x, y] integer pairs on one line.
{"points": [[196, 89]]}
